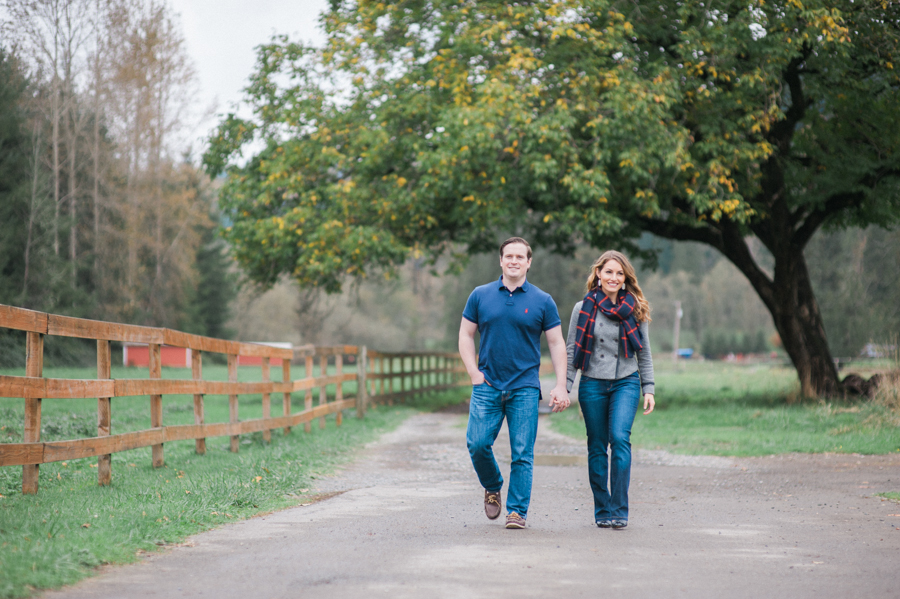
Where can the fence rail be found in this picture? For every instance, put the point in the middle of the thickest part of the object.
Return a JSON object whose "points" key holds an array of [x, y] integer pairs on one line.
{"points": [[380, 377]]}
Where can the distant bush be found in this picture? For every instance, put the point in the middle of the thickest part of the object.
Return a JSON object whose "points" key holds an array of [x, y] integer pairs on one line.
{"points": [[718, 342]]}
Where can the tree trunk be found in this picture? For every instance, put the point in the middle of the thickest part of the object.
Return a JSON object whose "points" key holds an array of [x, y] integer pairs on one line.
{"points": [[789, 297], [54, 110], [72, 154], [799, 323], [33, 204], [787, 293]]}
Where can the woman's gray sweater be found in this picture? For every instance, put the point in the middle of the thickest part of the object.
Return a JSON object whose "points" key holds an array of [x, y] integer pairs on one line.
{"points": [[605, 362]]}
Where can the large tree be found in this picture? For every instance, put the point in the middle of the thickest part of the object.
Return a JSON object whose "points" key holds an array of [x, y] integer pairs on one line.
{"points": [[425, 125]]}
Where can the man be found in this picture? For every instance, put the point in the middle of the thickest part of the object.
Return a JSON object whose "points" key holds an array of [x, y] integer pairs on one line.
{"points": [[510, 315]]}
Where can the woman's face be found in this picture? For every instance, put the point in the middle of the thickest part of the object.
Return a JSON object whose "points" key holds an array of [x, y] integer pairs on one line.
{"points": [[612, 277]]}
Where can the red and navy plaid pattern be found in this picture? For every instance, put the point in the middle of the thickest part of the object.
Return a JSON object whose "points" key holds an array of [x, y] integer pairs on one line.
{"points": [[584, 335], [623, 310]]}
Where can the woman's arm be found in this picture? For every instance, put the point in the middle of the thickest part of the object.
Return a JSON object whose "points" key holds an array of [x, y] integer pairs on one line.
{"points": [[645, 367], [570, 347]]}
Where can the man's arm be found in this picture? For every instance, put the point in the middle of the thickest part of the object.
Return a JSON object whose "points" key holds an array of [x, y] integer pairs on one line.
{"points": [[559, 397], [467, 330]]}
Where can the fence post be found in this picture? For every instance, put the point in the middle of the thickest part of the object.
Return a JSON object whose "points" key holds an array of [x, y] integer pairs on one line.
{"points": [[307, 402], [286, 378], [197, 374], [361, 389], [339, 388], [104, 412], [323, 389], [407, 379], [34, 366], [266, 400], [233, 401], [156, 415]]}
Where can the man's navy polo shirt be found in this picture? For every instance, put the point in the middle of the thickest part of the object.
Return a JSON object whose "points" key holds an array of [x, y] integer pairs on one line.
{"points": [[510, 325]]}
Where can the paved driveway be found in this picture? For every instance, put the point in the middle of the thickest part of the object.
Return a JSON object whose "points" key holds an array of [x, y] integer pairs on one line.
{"points": [[406, 521]]}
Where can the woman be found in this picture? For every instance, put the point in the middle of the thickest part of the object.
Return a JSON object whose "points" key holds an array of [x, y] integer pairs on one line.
{"points": [[609, 341]]}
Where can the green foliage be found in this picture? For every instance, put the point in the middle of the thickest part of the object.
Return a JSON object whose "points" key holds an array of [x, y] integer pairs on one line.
{"points": [[720, 342], [580, 119], [13, 177], [208, 307]]}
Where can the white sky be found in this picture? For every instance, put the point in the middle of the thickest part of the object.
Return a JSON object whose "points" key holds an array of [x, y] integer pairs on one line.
{"points": [[221, 36]]}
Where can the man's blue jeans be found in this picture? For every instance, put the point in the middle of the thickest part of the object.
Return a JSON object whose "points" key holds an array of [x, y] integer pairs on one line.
{"points": [[609, 408], [487, 409]]}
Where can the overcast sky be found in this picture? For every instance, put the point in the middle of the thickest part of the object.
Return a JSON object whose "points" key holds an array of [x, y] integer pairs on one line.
{"points": [[221, 36]]}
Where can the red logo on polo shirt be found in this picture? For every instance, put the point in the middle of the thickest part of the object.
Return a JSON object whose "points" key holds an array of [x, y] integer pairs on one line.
{"points": [[526, 310]]}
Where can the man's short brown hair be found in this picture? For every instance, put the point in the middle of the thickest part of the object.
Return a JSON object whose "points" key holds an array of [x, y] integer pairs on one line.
{"points": [[515, 240]]}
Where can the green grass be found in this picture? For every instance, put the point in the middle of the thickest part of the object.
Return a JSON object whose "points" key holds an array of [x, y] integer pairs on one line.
{"points": [[891, 496], [714, 408], [71, 526]]}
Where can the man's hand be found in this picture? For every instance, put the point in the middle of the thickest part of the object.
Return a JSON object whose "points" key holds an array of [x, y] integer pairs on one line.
{"points": [[467, 330], [559, 399]]}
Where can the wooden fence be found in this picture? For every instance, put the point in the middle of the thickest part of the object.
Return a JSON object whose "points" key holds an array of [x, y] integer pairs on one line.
{"points": [[380, 378]]}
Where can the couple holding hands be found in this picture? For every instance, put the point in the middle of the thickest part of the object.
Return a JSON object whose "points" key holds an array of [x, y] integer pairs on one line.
{"points": [[608, 340]]}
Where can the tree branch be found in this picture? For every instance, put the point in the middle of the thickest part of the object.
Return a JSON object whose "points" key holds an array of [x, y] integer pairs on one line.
{"points": [[834, 204], [703, 234]]}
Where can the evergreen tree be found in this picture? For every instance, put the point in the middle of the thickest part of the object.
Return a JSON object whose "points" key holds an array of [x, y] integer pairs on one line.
{"points": [[14, 169]]}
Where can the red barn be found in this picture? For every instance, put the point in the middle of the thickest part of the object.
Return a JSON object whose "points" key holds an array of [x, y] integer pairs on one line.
{"points": [[138, 354]]}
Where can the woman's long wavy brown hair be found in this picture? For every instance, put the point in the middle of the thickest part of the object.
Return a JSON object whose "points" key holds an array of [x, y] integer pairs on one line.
{"points": [[642, 306]]}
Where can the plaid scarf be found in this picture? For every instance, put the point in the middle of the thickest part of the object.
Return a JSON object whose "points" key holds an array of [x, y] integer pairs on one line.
{"points": [[622, 310]]}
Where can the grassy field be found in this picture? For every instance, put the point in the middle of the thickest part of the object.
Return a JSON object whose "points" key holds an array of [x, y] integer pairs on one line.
{"points": [[717, 408], [71, 526]]}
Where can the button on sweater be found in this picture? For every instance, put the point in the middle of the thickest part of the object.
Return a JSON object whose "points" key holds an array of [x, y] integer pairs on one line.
{"points": [[605, 362]]}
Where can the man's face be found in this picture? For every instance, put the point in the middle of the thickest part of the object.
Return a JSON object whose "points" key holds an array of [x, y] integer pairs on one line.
{"points": [[515, 261]]}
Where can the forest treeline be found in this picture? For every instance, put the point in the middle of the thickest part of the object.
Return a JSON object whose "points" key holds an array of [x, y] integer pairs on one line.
{"points": [[854, 272], [102, 213]]}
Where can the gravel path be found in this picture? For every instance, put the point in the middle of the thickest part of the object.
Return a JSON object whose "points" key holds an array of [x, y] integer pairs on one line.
{"points": [[405, 520]]}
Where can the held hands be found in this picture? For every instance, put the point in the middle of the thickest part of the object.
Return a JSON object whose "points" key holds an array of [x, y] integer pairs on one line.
{"points": [[559, 399], [649, 403]]}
